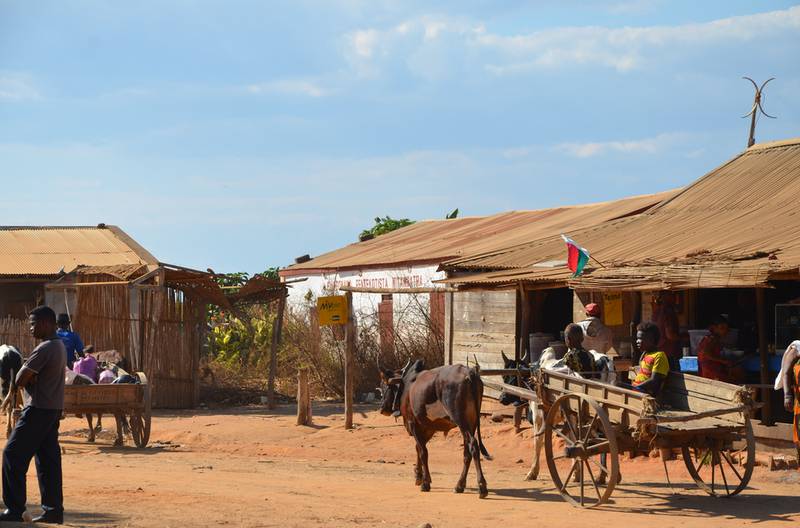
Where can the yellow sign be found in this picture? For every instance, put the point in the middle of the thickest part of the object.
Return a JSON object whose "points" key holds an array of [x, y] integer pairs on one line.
{"points": [[332, 310], [612, 309]]}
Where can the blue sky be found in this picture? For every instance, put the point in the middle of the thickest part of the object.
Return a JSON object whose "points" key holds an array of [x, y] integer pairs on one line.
{"points": [[237, 135]]}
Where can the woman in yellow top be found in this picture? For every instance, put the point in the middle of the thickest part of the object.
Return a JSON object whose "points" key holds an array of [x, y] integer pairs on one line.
{"points": [[654, 364]]}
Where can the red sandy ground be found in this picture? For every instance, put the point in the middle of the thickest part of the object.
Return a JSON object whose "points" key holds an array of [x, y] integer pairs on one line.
{"points": [[251, 467]]}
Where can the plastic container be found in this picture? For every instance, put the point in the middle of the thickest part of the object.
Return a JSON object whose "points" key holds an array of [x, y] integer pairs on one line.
{"points": [[689, 364], [538, 342]]}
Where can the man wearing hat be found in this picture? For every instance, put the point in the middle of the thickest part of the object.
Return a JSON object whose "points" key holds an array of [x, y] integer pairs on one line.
{"points": [[597, 336], [72, 341]]}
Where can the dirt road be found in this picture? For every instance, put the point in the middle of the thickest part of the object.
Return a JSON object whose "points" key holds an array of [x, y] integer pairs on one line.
{"points": [[251, 467]]}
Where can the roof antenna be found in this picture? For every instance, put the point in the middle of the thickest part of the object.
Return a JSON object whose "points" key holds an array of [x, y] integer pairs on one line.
{"points": [[755, 110]]}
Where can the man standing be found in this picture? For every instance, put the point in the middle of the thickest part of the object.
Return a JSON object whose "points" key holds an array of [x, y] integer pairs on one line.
{"points": [[791, 397], [597, 336], [72, 341], [36, 432]]}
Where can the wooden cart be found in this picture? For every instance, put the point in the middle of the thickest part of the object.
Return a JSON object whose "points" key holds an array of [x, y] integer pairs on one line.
{"points": [[587, 421], [129, 400]]}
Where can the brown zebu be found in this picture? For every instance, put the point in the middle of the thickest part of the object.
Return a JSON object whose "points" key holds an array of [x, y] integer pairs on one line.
{"points": [[434, 400]]}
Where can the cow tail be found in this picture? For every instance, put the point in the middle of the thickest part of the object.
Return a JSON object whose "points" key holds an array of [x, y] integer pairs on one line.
{"points": [[477, 390]]}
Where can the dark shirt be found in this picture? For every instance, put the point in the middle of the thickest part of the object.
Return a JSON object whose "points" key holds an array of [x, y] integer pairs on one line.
{"points": [[579, 360], [48, 361], [72, 342]]}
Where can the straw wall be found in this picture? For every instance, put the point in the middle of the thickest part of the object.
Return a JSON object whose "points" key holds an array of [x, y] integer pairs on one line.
{"points": [[156, 329], [15, 332]]}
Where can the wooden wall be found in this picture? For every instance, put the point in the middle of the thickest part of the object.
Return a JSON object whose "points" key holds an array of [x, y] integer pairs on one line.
{"points": [[483, 325]]}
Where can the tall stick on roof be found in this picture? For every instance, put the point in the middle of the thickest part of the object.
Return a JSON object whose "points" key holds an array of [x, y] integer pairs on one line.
{"points": [[755, 110]]}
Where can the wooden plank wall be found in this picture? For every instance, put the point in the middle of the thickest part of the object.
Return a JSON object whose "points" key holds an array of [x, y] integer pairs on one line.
{"points": [[484, 324]]}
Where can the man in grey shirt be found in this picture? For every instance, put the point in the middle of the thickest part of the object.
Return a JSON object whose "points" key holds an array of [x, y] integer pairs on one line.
{"points": [[36, 432]]}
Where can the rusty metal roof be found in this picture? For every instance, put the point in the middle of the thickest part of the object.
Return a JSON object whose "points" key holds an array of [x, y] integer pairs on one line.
{"points": [[434, 241], [738, 225], [46, 251]]}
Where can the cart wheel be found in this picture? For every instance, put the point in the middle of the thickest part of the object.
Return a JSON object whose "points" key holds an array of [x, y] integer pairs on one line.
{"points": [[588, 437], [137, 428], [716, 460]]}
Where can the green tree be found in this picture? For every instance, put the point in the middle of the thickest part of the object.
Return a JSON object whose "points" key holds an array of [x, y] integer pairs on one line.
{"points": [[384, 225]]}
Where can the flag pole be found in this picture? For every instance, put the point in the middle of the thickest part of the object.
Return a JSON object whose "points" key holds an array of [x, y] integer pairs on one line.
{"points": [[598, 262]]}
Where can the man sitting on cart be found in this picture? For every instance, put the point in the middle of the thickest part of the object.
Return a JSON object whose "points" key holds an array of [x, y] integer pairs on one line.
{"points": [[654, 364], [577, 358]]}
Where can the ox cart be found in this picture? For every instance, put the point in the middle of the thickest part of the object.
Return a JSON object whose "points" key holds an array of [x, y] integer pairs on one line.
{"points": [[588, 424], [125, 401]]}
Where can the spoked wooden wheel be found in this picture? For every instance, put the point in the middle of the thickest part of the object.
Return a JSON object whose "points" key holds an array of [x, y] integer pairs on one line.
{"points": [[140, 429], [583, 426], [713, 466]]}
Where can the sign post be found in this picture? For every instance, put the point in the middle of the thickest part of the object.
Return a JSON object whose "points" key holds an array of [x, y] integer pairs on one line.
{"points": [[350, 349], [338, 310]]}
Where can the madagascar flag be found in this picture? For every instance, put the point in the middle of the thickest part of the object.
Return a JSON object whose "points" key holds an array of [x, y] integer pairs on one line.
{"points": [[577, 257]]}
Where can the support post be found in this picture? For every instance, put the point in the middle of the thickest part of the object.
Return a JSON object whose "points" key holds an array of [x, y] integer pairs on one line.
{"points": [[273, 351], [761, 319], [449, 327], [303, 398], [350, 348], [524, 343]]}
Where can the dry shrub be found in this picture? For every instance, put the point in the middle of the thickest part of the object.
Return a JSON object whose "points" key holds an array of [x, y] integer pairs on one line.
{"points": [[322, 349]]}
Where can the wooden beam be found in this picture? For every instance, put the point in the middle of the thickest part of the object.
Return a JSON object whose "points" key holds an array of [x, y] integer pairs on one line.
{"points": [[387, 291], [277, 325], [349, 354], [761, 320]]}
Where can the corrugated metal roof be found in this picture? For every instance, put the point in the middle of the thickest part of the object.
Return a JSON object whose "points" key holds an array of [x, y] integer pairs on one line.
{"points": [[46, 251], [435, 241], [737, 225]]}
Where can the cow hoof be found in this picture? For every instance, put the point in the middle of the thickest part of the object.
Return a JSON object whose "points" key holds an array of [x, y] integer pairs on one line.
{"points": [[459, 489], [531, 476], [425, 487], [418, 482], [483, 494], [90, 439]]}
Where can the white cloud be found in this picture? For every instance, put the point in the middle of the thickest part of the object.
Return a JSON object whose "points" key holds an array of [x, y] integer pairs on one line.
{"points": [[16, 87], [622, 49], [288, 87], [652, 145]]}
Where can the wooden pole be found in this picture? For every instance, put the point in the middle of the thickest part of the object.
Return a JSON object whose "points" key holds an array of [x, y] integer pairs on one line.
{"points": [[761, 316], [303, 398], [273, 351], [524, 343], [350, 348], [450, 300]]}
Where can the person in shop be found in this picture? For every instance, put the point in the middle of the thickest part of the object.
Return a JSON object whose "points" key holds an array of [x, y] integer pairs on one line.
{"points": [[666, 319], [654, 364], [711, 363], [596, 335], [789, 380], [72, 341]]}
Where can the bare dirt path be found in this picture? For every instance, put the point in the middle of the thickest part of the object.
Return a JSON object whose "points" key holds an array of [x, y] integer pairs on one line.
{"points": [[250, 467]]}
